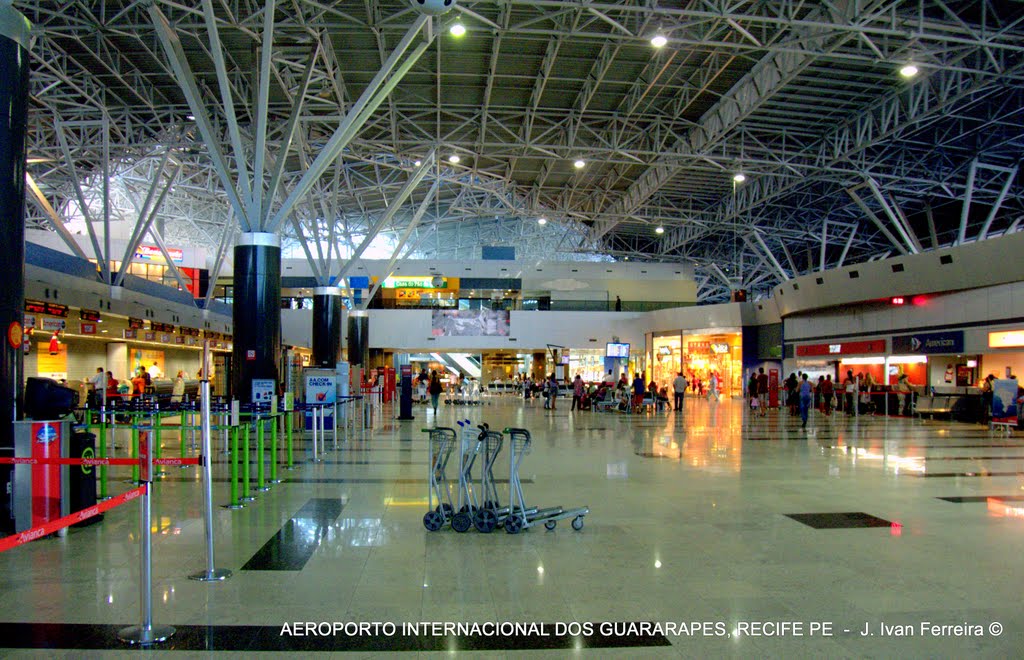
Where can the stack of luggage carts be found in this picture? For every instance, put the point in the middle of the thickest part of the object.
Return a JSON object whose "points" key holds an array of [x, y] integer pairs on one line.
{"points": [[477, 503]]}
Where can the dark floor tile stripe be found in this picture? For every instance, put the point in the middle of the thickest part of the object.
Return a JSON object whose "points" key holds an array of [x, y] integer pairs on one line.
{"points": [[384, 480], [972, 499], [293, 545], [965, 474], [78, 636]]}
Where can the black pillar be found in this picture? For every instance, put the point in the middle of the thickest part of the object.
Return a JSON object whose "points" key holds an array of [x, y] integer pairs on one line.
{"points": [[256, 312], [14, 59], [359, 337], [327, 304]]}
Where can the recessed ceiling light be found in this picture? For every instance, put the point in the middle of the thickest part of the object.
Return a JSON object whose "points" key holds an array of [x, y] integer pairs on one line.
{"points": [[739, 177], [908, 71], [457, 30], [454, 158], [418, 163], [659, 230], [542, 221], [579, 164], [658, 40], [190, 117]]}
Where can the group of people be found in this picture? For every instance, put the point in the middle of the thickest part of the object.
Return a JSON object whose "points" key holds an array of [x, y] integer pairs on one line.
{"points": [[103, 384], [853, 392]]}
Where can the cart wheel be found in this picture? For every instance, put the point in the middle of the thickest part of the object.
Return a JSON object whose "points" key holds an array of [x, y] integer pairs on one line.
{"points": [[577, 523], [485, 521], [462, 522], [514, 524], [467, 508], [448, 510], [433, 521], [550, 525]]}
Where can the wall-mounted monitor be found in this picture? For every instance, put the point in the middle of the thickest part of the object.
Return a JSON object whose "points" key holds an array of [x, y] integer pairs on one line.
{"points": [[617, 350]]}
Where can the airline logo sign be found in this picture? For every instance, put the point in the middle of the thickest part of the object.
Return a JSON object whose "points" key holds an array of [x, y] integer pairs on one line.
{"points": [[152, 253], [930, 343], [845, 348]]}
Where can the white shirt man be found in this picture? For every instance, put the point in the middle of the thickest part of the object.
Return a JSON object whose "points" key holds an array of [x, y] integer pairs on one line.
{"points": [[99, 381], [155, 371], [679, 385]]}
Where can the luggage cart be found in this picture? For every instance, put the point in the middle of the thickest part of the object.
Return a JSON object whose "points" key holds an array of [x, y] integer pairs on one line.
{"points": [[442, 441], [467, 502], [519, 516], [491, 514]]}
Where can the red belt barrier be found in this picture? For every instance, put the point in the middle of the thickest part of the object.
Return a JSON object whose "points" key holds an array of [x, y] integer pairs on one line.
{"points": [[28, 535], [96, 461]]}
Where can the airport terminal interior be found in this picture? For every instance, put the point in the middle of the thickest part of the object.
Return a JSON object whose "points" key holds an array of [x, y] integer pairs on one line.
{"points": [[505, 328]]}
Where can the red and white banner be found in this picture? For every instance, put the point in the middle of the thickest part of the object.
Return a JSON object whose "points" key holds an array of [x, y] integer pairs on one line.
{"points": [[21, 538]]}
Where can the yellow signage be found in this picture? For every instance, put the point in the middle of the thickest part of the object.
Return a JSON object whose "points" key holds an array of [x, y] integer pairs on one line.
{"points": [[1006, 339], [415, 283]]}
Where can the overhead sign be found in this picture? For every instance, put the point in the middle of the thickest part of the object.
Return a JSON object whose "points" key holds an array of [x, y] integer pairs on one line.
{"points": [[136, 324], [40, 307], [152, 254], [844, 348], [1006, 339], [929, 342], [87, 328], [415, 283], [263, 389], [54, 325], [88, 315]]}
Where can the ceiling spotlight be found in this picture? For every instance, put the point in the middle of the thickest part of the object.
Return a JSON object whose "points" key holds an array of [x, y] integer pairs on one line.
{"points": [[908, 71], [417, 163], [192, 117], [542, 221], [659, 230], [739, 177], [457, 30], [658, 40], [579, 164], [454, 158]]}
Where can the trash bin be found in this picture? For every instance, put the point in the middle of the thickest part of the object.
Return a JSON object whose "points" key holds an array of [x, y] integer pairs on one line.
{"points": [[82, 478]]}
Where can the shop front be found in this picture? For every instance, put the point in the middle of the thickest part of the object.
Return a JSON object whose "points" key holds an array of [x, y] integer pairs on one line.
{"points": [[698, 354], [1005, 354]]}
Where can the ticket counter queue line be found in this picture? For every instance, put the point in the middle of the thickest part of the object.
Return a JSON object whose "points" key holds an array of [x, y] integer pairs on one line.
{"points": [[145, 418]]}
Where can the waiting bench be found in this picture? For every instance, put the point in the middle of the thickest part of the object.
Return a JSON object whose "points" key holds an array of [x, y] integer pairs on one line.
{"points": [[935, 405]]}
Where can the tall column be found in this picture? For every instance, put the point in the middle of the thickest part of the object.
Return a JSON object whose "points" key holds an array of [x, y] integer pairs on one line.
{"points": [[359, 337], [327, 304], [256, 311], [14, 59]]}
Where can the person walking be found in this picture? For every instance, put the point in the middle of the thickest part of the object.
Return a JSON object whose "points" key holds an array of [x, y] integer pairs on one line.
{"points": [[827, 391], [762, 390], [850, 388], [577, 393], [679, 386], [638, 392], [805, 400], [791, 397], [552, 389], [434, 389], [713, 387]]}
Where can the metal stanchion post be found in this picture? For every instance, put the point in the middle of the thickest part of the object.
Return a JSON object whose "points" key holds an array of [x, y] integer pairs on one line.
{"points": [[316, 457], [211, 574], [261, 485], [224, 424], [233, 459], [246, 495], [192, 429], [334, 425], [323, 432], [146, 633]]}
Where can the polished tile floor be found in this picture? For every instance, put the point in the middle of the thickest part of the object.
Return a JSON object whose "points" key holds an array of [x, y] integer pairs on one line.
{"points": [[737, 527]]}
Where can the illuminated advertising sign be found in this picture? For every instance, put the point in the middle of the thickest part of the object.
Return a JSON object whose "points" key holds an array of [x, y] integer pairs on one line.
{"points": [[152, 254], [1006, 339], [845, 348], [930, 342], [415, 283]]}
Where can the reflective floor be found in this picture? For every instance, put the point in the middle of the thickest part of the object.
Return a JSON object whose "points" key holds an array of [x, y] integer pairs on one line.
{"points": [[737, 536]]}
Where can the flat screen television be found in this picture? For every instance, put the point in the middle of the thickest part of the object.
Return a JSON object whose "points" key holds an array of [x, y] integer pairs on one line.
{"points": [[45, 398], [617, 350]]}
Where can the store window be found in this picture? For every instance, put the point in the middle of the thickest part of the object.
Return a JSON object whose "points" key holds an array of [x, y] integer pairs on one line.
{"points": [[704, 354]]}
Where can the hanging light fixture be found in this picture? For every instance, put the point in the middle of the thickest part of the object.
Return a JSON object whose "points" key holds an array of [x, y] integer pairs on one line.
{"points": [[579, 164], [908, 70], [457, 30], [659, 39], [739, 177]]}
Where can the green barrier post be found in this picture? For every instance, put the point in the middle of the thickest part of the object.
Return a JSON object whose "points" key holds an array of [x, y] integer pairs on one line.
{"points": [[156, 442], [288, 419], [273, 450], [102, 453], [260, 457], [246, 497], [135, 449], [181, 432]]}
